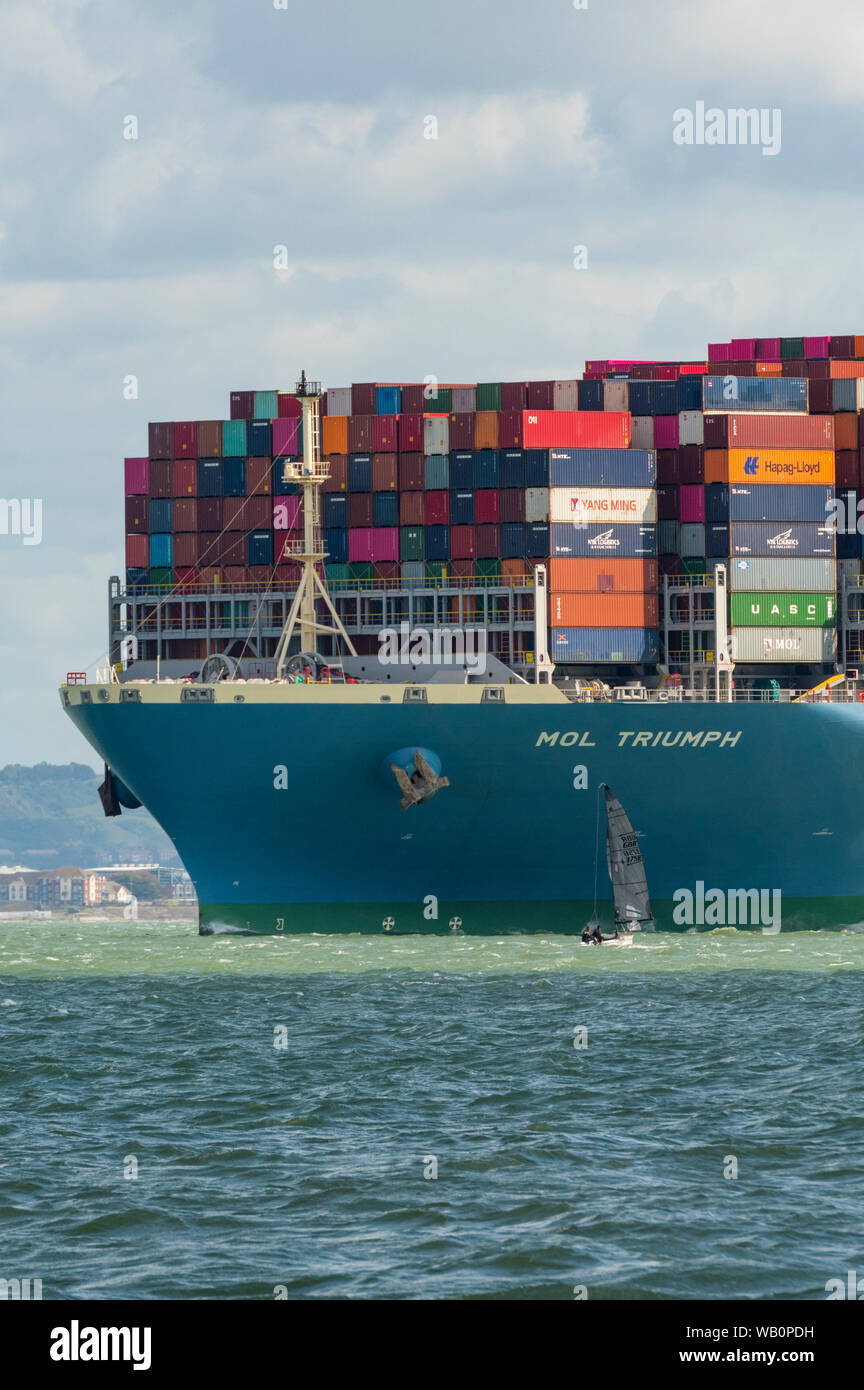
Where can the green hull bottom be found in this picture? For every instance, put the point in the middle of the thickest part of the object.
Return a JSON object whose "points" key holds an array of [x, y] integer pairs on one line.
{"points": [[491, 918]]}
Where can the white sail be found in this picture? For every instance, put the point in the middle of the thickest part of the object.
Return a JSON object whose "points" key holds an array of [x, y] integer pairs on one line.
{"points": [[626, 868]]}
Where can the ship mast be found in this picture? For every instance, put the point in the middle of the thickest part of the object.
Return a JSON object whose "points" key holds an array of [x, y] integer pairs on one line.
{"points": [[310, 471]]}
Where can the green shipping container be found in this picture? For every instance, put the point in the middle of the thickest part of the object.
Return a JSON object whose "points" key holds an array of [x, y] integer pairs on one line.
{"points": [[336, 574], [791, 347], [441, 404], [436, 569], [412, 543], [695, 565], [489, 395], [161, 579], [488, 569], [361, 569], [784, 610], [266, 405], [233, 438]]}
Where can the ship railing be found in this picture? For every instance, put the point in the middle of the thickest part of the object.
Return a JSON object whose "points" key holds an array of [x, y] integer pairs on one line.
{"points": [[159, 593]]}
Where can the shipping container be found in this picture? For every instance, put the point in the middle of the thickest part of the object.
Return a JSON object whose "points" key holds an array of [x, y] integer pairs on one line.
{"points": [[625, 541], [412, 543], [767, 465], [669, 537], [767, 502], [338, 479], [161, 550], [289, 407], [359, 472], [259, 477], [462, 507], [461, 471], [437, 510], [286, 438], [536, 467], [463, 544], [668, 502], [603, 610], [334, 434], [485, 430], [138, 551], [242, 405], [138, 515], [209, 439], [436, 472], [138, 576], [536, 504], [259, 547], [611, 468], [385, 473], [692, 503], [590, 397], [605, 644], [587, 504], [160, 477], [388, 401], [537, 540], [266, 407], [550, 429], [385, 544], [339, 401], [717, 540], [642, 427], [161, 577], [783, 576], [603, 576], [137, 476], [412, 508], [360, 434], [512, 540], [488, 395], [161, 440], [666, 435], [783, 610], [486, 472], [364, 398], [185, 440], [410, 433], [464, 399], [436, 434], [336, 546], [413, 569], [692, 540], [565, 395], [411, 472], [461, 431], [615, 396], [511, 468], [748, 393], [487, 541], [286, 513], [804, 540], [360, 507], [233, 438], [384, 434], [360, 545], [486, 506], [335, 509], [161, 515], [773, 644], [437, 542], [845, 431], [511, 505], [691, 427], [234, 477]]}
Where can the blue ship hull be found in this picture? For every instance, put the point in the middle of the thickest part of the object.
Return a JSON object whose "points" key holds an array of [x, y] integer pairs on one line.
{"points": [[732, 796]]}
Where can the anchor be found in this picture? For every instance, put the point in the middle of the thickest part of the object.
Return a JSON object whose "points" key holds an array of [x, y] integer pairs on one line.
{"points": [[421, 785]]}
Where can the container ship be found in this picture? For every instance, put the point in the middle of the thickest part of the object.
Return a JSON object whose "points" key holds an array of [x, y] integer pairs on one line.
{"points": [[377, 648]]}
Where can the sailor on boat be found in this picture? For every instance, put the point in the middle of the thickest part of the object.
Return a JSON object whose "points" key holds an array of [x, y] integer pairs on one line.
{"points": [[596, 937]]}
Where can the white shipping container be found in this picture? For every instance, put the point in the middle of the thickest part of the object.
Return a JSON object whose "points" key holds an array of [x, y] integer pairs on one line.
{"points": [[760, 576], [859, 393], [464, 399], [692, 540], [436, 434], [565, 395], [339, 400], [774, 644], [536, 504], [642, 427], [615, 395], [619, 504], [691, 427]]}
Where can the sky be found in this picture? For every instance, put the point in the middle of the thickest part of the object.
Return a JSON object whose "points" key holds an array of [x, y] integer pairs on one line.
{"points": [[306, 126]]}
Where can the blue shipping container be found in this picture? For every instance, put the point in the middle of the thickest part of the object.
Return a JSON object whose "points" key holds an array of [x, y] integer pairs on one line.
{"points": [[462, 508], [623, 542], [511, 468], [717, 540], [780, 502], [640, 399], [462, 468], [537, 540], [716, 502], [664, 398], [802, 540], [605, 644], [388, 400], [161, 510], [512, 540], [486, 468], [844, 393], [669, 538], [234, 477], [436, 472], [209, 477], [537, 467], [385, 508], [359, 472], [690, 391], [590, 397], [335, 509], [266, 405], [602, 468], [259, 439], [137, 577], [259, 548], [233, 437], [740, 393], [161, 552], [437, 542], [336, 545]]}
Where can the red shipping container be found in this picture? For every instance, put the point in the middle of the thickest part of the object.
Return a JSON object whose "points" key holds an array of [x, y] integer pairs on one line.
{"points": [[258, 512], [485, 508], [553, 429], [411, 472], [209, 513], [461, 569], [413, 400], [754, 429], [160, 478], [209, 439], [236, 574], [360, 434], [743, 347], [437, 508], [186, 514], [384, 434], [186, 548], [259, 574], [462, 430], [385, 544], [359, 509], [259, 477], [289, 406], [691, 464], [388, 569], [233, 513], [137, 476], [288, 574], [161, 440], [286, 513], [821, 400], [488, 542], [211, 576], [137, 552], [602, 576], [818, 347], [511, 504], [410, 432], [360, 545], [137, 515], [184, 477], [242, 405], [187, 577], [232, 548], [692, 500], [463, 543], [666, 431], [845, 430], [541, 395], [514, 395], [385, 472], [847, 472], [185, 444], [412, 508], [338, 480], [670, 564], [604, 610], [285, 437], [768, 349], [364, 401], [842, 346]]}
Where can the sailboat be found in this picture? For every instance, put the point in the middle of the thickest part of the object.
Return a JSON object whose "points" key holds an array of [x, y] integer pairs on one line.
{"points": [[626, 872]]}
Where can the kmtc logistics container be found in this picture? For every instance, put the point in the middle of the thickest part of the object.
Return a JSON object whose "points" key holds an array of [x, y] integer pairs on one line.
{"points": [[603, 504], [766, 465], [624, 468], [763, 393], [602, 576], [544, 429], [617, 541], [784, 644], [797, 502], [604, 610], [801, 539], [605, 644], [783, 610], [786, 576]]}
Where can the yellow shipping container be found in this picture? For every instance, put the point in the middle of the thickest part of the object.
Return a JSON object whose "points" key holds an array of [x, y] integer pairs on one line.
{"points": [[767, 465]]}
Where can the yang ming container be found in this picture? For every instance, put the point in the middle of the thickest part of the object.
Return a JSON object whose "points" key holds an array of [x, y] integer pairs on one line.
{"points": [[587, 504]]}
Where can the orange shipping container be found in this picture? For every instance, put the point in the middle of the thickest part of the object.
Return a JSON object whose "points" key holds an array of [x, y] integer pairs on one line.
{"points": [[769, 368], [859, 346], [604, 610], [515, 569], [846, 430], [334, 434], [716, 465], [602, 576], [486, 429], [847, 366], [766, 465]]}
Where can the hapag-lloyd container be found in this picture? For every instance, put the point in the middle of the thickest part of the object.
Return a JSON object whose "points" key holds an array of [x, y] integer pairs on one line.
{"points": [[740, 393], [625, 468], [602, 576], [779, 431], [605, 644], [603, 610], [783, 610], [805, 540], [565, 429], [588, 504], [627, 541], [765, 502], [783, 576], [767, 465], [773, 644]]}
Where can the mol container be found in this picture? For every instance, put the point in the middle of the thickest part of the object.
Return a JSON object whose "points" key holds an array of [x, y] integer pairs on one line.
{"points": [[773, 644]]}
